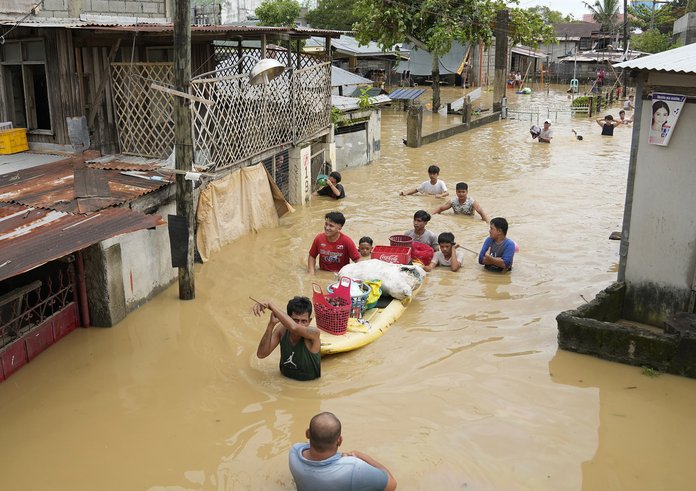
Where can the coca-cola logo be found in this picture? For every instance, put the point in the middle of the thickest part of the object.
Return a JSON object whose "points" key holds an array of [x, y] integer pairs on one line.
{"points": [[389, 258]]}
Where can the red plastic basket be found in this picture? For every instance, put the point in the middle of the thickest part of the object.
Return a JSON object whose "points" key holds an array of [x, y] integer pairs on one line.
{"points": [[400, 240], [333, 318], [392, 254]]}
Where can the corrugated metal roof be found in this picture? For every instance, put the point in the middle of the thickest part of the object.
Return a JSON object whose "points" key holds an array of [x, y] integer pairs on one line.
{"points": [[24, 160], [527, 51], [109, 23], [406, 94], [348, 45], [340, 77], [420, 62], [353, 103], [51, 186], [30, 237], [677, 60]]}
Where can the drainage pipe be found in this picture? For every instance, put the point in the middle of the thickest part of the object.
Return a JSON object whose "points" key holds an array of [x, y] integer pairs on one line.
{"points": [[82, 291]]}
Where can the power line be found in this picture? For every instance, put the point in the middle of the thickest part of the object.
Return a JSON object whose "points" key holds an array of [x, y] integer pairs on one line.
{"points": [[33, 11]]}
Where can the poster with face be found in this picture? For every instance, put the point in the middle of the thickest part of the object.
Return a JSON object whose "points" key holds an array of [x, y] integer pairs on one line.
{"points": [[665, 111]]}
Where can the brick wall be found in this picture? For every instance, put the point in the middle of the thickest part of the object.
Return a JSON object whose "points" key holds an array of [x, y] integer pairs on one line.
{"points": [[124, 8]]}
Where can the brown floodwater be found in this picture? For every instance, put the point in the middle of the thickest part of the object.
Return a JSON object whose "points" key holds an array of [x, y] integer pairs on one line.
{"points": [[468, 389]]}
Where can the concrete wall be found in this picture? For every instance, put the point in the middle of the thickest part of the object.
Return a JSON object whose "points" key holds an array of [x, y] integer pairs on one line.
{"points": [[300, 185], [360, 147], [126, 271], [685, 29], [238, 10], [661, 251], [123, 8]]}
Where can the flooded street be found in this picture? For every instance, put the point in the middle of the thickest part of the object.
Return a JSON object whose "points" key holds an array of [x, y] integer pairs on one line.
{"points": [[466, 391]]}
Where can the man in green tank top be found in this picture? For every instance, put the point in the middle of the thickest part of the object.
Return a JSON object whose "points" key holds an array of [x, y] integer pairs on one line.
{"points": [[300, 346]]}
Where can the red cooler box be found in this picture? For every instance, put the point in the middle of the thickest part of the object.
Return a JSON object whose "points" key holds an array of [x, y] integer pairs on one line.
{"points": [[392, 254]]}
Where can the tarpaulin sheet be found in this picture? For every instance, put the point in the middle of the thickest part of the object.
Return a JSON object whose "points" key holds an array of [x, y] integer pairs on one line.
{"points": [[245, 201]]}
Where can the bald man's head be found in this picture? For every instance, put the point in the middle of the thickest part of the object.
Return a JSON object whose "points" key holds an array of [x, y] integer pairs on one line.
{"points": [[324, 432]]}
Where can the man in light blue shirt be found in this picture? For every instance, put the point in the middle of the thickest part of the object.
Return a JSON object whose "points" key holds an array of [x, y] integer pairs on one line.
{"points": [[318, 466]]}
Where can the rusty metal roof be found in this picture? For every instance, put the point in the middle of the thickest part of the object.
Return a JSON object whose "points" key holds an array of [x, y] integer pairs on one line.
{"points": [[151, 25], [52, 186], [30, 237], [120, 166]]}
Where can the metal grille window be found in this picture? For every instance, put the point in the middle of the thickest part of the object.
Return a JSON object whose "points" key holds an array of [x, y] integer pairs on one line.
{"points": [[45, 292], [23, 66], [278, 167]]}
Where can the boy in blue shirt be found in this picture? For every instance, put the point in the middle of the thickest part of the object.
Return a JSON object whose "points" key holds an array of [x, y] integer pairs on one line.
{"points": [[498, 251]]}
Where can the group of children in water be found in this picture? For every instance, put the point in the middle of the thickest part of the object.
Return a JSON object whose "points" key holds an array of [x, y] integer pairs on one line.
{"points": [[299, 341], [334, 249]]}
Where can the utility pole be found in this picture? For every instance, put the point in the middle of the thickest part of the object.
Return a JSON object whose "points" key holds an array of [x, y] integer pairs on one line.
{"points": [[501, 58], [625, 45], [183, 139]]}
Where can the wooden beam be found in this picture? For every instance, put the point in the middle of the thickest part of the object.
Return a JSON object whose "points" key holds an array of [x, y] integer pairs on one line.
{"points": [[181, 94], [99, 94]]}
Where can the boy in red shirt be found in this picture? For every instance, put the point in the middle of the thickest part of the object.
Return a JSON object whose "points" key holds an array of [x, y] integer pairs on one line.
{"points": [[334, 248]]}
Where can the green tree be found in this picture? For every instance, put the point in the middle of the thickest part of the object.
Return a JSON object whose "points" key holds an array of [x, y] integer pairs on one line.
{"points": [[433, 25], [332, 14], [279, 13], [660, 18], [606, 13], [652, 41]]}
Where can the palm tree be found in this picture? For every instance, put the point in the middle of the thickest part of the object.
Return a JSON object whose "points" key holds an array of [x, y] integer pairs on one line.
{"points": [[606, 13]]}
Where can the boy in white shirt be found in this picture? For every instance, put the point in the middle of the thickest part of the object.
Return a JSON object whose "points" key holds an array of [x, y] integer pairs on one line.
{"points": [[448, 255], [433, 186]]}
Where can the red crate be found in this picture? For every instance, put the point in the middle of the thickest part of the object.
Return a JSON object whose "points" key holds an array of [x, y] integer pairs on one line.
{"points": [[392, 254]]}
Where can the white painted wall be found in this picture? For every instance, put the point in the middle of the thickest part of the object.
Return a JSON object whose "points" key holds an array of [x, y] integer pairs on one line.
{"points": [[662, 241], [300, 185], [361, 147], [146, 263], [232, 11]]}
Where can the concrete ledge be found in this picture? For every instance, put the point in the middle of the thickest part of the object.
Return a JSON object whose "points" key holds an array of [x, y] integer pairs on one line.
{"points": [[460, 128], [592, 329]]}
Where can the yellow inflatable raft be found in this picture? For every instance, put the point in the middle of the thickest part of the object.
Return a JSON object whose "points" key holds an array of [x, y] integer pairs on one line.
{"points": [[363, 331]]}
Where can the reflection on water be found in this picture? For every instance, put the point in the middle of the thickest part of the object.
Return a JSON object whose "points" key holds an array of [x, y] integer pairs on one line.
{"points": [[466, 391]]}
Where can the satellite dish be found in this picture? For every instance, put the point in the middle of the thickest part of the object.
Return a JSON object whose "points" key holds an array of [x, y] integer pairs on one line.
{"points": [[265, 70]]}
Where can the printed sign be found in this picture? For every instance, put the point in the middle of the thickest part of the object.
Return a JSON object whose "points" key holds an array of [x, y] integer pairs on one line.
{"points": [[665, 113]]}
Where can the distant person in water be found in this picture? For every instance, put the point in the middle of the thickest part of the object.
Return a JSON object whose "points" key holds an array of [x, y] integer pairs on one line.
{"points": [[433, 186], [546, 133], [623, 119], [498, 251], [628, 104], [333, 189], [463, 204], [608, 123]]}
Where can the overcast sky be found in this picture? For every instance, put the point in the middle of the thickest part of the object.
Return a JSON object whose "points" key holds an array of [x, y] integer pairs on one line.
{"points": [[574, 7]]}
